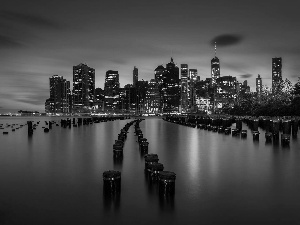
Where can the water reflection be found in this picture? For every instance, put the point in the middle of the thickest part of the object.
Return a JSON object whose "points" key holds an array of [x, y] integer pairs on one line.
{"points": [[60, 171], [111, 201], [118, 161]]}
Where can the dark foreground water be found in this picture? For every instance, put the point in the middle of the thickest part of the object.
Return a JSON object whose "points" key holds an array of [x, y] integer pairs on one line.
{"points": [[56, 177]]}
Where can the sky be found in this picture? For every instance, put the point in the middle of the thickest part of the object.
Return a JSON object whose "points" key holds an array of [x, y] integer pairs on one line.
{"points": [[40, 38]]}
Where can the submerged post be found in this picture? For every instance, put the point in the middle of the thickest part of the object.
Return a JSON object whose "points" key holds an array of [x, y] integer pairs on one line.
{"points": [[112, 181], [150, 159], [166, 182], [30, 129]]}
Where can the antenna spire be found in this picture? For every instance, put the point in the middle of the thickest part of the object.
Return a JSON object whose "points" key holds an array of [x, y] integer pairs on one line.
{"points": [[215, 49]]}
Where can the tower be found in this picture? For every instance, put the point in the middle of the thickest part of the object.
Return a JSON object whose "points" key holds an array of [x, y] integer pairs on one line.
{"points": [[83, 87], [215, 67], [135, 76], [59, 95], [111, 90], [184, 87], [258, 85], [193, 73], [276, 72]]}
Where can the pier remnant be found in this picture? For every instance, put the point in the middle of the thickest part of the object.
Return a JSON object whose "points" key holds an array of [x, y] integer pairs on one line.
{"points": [[112, 181], [166, 182]]}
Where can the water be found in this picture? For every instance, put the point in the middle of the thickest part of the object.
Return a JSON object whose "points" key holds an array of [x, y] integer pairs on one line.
{"points": [[56, 177]]}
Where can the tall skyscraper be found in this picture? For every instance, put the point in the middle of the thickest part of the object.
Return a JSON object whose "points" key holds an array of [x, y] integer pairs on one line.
{"points": [[184, 87], [258, 85], [111, 90], [172, 93], [135, 76], [215, 67], [159, 74], [59, 95], [193, 76], [83, 87], [152, 97], [276, 72]]}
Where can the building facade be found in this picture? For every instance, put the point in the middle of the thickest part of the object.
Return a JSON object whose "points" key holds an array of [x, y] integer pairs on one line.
{"points": [[184, 87], [215, 68], [83, 88], [59, 101], [111, 91], [135, 76], [276, 72], [152, 97]]}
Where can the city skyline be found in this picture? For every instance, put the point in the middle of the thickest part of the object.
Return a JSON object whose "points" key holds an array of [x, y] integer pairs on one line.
{"points": [[36, 45]]}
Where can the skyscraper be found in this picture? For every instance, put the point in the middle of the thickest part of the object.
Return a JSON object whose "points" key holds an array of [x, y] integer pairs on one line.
{"points": [[258, 85], [172, 93], [59, 95], [215, 67], [83, 87], [193, 74], [276, 72], [111, 90], [184, 87], [152, 97], [135, 76]]}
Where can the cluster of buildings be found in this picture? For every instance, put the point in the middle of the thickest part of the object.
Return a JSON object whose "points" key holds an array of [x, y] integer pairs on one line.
{"points": [[172, 90]]}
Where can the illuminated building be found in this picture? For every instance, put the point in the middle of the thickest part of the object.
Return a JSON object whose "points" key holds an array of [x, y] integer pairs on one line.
{"points": [[193, 77], [128, 99], [111, 90], [152, 97], [135, 74], [171, 98], [159, 74], [83, 88], [184, 87], [215, 67], [141, 91], [258, 85], [99, 100], [276, 72], [59, 101], [226, 91], [242, 88]]}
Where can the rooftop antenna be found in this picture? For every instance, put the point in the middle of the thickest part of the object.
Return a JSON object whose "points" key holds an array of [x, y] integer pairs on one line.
{"points": [[215, 49]]}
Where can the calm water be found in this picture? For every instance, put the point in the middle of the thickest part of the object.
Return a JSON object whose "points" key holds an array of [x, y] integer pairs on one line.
{"points": [[56, 177]]}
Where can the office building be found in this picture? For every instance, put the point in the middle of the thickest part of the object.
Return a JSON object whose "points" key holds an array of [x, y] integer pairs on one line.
{"points": [[111, 90], [135, 74], [258, 87], [276, 72], [184, 87], [83, 88], [215, 68], [193, 76], [59, 101]]}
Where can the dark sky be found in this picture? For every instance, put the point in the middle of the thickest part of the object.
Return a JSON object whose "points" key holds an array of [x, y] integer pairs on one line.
{"points": [[41, 38]]}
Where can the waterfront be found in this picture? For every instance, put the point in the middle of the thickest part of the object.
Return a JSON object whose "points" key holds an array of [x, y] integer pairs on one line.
{"points": [[56, 177]]}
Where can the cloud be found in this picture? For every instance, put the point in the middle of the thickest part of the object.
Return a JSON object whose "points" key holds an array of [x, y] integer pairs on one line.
{"points": [[28, 19], [36, 100], [224, 40], [7, 42], [246, 75]]}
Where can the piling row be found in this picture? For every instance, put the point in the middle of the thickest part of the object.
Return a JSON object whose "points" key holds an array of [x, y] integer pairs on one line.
{"points": [[119, 143], [154, 171], [275, 128], [13, 127], [143, 143]]}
